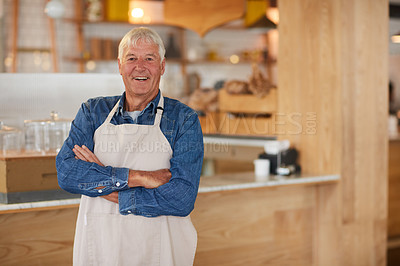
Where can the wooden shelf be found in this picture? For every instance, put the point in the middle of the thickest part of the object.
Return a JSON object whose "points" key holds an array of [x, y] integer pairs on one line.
{"points": [[84, 60], [102, 22], [174, 61], [393, 243], [236, 25], [33, 49]]}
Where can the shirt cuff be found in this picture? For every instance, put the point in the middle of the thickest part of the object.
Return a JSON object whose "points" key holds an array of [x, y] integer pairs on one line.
{"points": [[126, 201], [120, 178]]}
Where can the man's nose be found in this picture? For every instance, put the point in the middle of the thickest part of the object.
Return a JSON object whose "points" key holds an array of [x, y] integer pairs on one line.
{"points": [[140, 64]]}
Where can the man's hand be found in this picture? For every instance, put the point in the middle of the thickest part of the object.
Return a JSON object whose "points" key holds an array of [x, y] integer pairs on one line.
{"points": [[113, 197], [83, 153]]}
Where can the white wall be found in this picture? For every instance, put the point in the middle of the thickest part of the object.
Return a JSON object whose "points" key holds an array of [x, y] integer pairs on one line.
{"points": [[34, 96]]}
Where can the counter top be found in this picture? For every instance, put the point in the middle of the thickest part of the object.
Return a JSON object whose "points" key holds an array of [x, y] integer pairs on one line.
{"points": [[248, 180], [247, 141], [208, 184], [12, 155]]}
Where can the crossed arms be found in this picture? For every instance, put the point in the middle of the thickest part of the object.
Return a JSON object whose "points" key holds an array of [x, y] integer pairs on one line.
{"points": [[136, 178], [163, 192]]}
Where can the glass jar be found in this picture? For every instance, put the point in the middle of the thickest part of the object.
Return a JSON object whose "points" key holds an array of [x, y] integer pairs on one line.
{"points": [[10, 139], [46, 135], [35, 136], [58, 130]]}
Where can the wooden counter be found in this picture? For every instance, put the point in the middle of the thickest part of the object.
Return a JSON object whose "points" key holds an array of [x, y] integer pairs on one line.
{"points": [[393, 189], [239, 221], [393, 255], [29, 176]]}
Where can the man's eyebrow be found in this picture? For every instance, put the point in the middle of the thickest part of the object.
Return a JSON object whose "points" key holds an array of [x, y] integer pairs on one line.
{"points": [[150, 54]]}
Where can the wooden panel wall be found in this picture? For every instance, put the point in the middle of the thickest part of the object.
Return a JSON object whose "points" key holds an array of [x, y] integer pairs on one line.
{"points": [[266, 226], [333, 91], [40, 237], [261, 226]]}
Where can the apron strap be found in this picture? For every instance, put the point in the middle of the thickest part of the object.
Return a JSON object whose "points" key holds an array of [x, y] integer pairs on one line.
{"points": [[111, 114], [159, 110]]}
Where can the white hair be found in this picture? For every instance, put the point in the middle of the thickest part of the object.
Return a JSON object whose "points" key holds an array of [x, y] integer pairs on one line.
{"points": [[143, 34]]}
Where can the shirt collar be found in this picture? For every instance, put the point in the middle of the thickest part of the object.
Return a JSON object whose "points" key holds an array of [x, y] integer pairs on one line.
{"points": [[152, 106]]}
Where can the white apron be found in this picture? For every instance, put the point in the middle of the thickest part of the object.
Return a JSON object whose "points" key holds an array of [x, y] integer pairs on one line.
{"points": [[105, 237]]}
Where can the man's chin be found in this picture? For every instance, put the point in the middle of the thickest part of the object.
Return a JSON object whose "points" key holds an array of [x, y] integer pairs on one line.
{"points": [[143, 92]]}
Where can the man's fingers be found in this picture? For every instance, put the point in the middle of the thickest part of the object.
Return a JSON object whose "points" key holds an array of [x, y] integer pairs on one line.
{"points": [[78, 153], [113, 197], [85, 154], [91, 156]]}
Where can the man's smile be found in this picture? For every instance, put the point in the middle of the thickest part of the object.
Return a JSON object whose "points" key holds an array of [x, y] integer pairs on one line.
{"points": [[141, 78]]}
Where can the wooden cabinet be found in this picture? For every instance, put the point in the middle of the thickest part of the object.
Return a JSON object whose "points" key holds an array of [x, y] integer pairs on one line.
{"points": [[26, 177]]}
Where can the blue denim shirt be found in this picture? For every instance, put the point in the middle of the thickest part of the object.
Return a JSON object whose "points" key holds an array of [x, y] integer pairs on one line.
{"points": [[182, 129]]}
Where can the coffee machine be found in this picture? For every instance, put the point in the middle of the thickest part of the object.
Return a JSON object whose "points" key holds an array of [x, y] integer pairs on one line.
{"points": [[283, 159]]}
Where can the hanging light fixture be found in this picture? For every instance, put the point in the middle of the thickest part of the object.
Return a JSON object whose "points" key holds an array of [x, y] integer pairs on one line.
{"points": [[396, 38], [256, 15], [146, 12], [54, 9], [273, 12]]}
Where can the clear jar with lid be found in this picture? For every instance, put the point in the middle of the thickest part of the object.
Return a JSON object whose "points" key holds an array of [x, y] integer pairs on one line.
{"points": [[10, 139], [46, 135], [58, 130]]}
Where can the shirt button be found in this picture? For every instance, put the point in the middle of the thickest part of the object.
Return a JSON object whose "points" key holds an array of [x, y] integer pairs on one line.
{"points": [[100, 191], [117, 184]]}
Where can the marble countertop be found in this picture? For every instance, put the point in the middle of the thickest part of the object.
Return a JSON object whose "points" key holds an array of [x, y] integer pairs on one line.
{"points": [[248, 180], [208, 184], [247, 141]]}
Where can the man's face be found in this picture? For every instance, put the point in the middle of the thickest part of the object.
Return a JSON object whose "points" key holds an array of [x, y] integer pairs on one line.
{"points": [[141, 69]]}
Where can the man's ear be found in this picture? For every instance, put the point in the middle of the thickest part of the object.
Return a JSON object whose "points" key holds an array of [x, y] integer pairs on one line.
{"points": [[163, 67], [119, 66]]}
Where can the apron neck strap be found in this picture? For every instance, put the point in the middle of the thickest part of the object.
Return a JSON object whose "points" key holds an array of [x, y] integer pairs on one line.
{"points": [[159, 111], [111, 114]]}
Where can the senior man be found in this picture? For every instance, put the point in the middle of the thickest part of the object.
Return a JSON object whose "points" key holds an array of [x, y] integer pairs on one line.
{"points": [[136, 159]]}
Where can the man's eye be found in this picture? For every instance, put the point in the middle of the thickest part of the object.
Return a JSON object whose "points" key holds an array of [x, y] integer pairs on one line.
{"points": [[149, 59], [130, 59]]}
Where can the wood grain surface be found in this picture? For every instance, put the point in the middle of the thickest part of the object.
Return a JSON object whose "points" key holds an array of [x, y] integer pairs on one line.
{"points": [[394, 190], [42, 237], [255, 227], [333, 73], [28, 174], [247, 103], [259, 226], [202, 16]]}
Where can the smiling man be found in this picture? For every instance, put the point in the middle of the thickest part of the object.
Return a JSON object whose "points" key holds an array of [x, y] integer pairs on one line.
{"points": [[136, 159]]}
